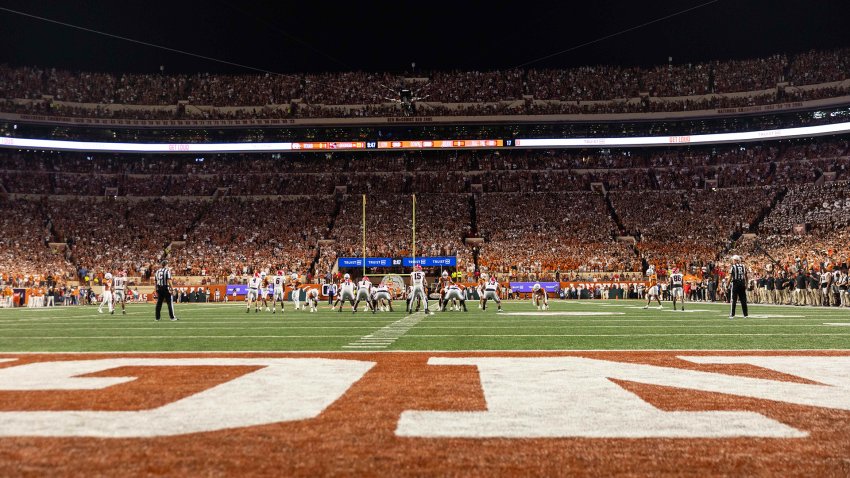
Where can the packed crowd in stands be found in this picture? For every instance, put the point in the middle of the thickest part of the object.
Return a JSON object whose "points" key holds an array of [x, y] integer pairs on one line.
{"points": [[242, 235], [25, 257], [686, 228], [531, 235], [120, 234], [538, 211], [807, 230], [442, 224], [212, 96]]}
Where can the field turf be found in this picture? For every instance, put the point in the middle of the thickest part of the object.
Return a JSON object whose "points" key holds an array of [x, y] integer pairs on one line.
{"points": [[568, 325]]}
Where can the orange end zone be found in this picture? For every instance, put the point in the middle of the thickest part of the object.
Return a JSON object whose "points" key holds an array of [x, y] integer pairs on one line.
{"points": [[360, 431]]}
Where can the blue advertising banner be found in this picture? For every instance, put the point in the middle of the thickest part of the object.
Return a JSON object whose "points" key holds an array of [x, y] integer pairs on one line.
{"points": [[436, 261], [370, 262], [525, 287]]}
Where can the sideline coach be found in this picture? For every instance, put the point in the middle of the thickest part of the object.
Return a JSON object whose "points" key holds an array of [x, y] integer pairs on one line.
{"points": [[738, 276], [163, 290]]}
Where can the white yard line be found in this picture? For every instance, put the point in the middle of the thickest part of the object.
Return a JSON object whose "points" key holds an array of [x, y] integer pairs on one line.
{"points": [[386, 336], [369, 343], [691, 325]]}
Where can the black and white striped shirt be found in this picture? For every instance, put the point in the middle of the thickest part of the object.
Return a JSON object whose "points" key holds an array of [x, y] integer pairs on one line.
{"points": [[738, 272], [162, 277]]}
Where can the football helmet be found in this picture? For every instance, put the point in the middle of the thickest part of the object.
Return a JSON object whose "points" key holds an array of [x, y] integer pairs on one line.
{"points": [[294, 276], [418, 267], [535, 287], [346, 277], [108, 276]]}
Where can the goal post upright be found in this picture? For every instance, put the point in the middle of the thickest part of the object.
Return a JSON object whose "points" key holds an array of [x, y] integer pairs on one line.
{"points": [[364, 235]]}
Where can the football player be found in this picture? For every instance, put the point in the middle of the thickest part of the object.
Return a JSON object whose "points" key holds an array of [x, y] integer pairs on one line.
{"points": [[444, 283], [364, 292], [482, 283], [107, 294], [346, 292], [654, 291], [454, 293], [264, 290], [120, 284], [677, 287], [382, 298], [253, 293], [277, 284], [420, 285], [491, 292], [296, 290], [539, 297], [313, 299]]}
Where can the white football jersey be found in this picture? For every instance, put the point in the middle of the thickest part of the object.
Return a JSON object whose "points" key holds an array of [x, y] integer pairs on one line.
{"points": [[278, 282], [119, 283], [676, 279], [364, 285], [254, 283], [417, 278]]}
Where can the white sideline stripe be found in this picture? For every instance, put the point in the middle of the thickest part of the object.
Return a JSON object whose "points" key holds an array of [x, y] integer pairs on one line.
{"points": [[476, 352], [629, 335], [124, 337], [386, 336], [690, 325], [417, 336], [838, 324]]}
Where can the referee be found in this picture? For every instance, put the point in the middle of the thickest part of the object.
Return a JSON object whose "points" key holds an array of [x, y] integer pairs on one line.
{"points": [[738, 276], [163, 290]]}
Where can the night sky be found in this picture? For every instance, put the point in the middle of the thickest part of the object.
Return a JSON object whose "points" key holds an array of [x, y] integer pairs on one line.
{"points": [[312, 36]]}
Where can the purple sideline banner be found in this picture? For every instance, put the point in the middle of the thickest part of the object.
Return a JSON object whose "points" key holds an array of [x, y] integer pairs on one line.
{"points": [[525, 287], [241, 289]]}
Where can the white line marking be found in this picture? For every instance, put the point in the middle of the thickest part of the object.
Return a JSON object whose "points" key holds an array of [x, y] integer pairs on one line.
{"points": [[767, 316], [387, 335], [550, 314], [838, 324]]}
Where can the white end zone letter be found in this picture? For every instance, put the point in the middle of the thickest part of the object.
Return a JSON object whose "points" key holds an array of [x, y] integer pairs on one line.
{"points": [[574, 397], [285, 389]]}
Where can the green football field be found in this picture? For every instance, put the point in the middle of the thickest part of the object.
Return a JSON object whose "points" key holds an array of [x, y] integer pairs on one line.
{"points": [[568, 325]]}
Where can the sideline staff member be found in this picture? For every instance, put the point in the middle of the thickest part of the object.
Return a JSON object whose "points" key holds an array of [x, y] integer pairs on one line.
{"points": [[738, 276], [163, 290]]}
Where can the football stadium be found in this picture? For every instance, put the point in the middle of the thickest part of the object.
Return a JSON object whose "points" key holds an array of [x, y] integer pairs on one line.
{"points": [[259, 239]]}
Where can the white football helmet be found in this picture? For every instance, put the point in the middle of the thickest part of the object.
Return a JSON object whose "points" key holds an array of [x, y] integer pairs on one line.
{"points": [[536, 287], [294, 276], [445, 273], [346, 277], [108, 276]]}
